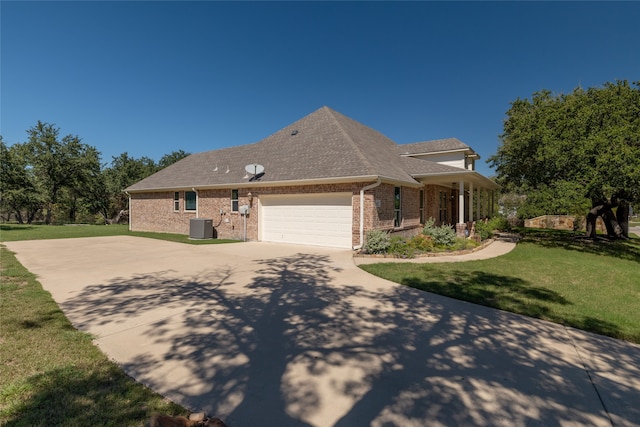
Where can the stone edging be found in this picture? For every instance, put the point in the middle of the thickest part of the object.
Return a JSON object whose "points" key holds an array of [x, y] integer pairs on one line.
{"points": [[483, 245]]}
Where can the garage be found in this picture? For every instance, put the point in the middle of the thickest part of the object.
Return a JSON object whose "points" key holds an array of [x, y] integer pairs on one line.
{"points": [[309, 219]]}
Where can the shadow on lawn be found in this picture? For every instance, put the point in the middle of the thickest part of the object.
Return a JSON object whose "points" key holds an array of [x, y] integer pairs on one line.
{"points": [[491, 290], [77, 396], [628, 249], [294, 348], [506, 293]]}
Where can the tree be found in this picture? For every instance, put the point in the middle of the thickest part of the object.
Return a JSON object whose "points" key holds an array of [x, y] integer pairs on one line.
{"points": [[19, 195], [171, 158], [59, 166], [572, 148], [125, 171]]}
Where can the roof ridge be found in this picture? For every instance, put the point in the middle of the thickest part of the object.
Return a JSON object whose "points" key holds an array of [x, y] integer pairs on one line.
{"points": [[353, 144]]}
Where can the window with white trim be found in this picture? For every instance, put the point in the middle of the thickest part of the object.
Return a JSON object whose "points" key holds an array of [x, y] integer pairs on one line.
{"points": [[421, 206], [397, 207], [176, 201], [234, 200]]}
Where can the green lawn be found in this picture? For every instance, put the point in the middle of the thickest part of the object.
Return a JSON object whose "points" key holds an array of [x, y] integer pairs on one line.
{"points": [[13, 232], [555, 276], [50, 373]]}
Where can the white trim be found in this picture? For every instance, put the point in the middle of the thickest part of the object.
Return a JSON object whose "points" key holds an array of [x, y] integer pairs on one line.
{"points": [[130, 216], [461, 202], [470, 201], [292, 183]]}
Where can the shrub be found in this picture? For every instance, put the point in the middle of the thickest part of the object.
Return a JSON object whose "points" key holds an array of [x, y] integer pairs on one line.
{"points": [[462, 244], [377, 242], [485, 229], [400, 248], [443, 236], [421, 243]]}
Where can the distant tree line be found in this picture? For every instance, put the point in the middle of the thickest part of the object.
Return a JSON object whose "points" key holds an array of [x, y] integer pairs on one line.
{"points": [[62, 180]]}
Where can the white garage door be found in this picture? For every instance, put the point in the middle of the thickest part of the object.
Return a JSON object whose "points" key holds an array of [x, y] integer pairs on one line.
{"points": [[314, 219]]}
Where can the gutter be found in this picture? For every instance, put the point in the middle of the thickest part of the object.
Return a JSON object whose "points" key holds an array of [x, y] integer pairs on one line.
{"points": [[258, 184], [362, 190]]}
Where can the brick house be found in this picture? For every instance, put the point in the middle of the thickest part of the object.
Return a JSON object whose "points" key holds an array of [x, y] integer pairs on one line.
{"points": [[323, 180]]}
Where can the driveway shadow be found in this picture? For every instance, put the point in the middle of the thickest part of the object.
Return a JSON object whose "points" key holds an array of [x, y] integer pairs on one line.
{"points": [[293, 348]]}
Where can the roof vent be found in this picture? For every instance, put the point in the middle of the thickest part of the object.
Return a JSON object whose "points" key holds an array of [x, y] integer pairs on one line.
{"points": [[294, 132]]}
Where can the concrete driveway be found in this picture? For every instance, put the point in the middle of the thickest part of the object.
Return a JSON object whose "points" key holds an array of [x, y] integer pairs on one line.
{"points": [[263, 334]]}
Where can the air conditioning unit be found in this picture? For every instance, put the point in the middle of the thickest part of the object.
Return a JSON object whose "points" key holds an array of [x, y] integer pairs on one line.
{"points": [[200, 228]]}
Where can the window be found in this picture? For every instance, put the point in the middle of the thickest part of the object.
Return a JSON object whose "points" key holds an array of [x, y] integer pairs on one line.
{"points": [[421, 206], [397, 207], [190, 201], [443, 206], [234, 200], [176, 201]]}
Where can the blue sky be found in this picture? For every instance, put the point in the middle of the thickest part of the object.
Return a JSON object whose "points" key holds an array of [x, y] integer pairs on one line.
{"points": [[150, 77]]}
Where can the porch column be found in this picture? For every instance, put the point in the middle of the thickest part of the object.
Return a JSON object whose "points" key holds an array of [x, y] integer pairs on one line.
{"points": [[478, 212], [470, 201], [461, 226], [492, 206]]}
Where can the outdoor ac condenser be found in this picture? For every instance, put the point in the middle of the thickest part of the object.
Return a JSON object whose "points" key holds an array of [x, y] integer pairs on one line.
{"points": [[200, 228]]}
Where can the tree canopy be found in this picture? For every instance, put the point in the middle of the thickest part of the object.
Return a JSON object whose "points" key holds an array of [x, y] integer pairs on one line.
{"points": [[569, 151], [62, 179]]}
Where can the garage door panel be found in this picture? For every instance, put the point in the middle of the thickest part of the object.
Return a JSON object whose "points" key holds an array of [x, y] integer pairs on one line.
{"points": [[319, 219]]}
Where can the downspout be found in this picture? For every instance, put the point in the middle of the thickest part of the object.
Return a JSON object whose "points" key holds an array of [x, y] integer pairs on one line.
{"points": [[129, 219], [362, 190]]}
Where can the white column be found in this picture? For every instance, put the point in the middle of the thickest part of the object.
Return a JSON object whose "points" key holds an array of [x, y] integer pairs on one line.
{"points": [[461, 202], [470, 201]]}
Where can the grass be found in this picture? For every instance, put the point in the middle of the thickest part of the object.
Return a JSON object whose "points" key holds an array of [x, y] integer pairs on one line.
{"points": [[52, 374], [14, 232], [556, 276]]}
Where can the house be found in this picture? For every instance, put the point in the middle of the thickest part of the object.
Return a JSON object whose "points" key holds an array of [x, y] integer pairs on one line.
{"points": [[323, 180]]}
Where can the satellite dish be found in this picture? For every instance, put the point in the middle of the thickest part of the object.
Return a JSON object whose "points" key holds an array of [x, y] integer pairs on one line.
{"points": [[254, 168]]}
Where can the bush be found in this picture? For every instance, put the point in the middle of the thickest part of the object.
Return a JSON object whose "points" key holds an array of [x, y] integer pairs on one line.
{"points": [[377, 242], [421, 243], [485, 229], [461, 244], [443, 236], [400, 248]]}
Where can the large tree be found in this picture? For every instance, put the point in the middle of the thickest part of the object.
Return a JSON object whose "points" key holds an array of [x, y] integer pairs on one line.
{"points": [[125, 171], [19, 195], [61, 167], [581, 145]]}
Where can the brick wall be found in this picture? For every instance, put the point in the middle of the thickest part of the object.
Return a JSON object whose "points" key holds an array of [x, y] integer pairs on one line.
{"points": [[154, 211], [432, 203]]}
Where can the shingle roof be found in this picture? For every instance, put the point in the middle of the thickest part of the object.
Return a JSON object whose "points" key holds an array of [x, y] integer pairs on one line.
{"points": [[435, 146], [323, 145], [421, 167]]}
